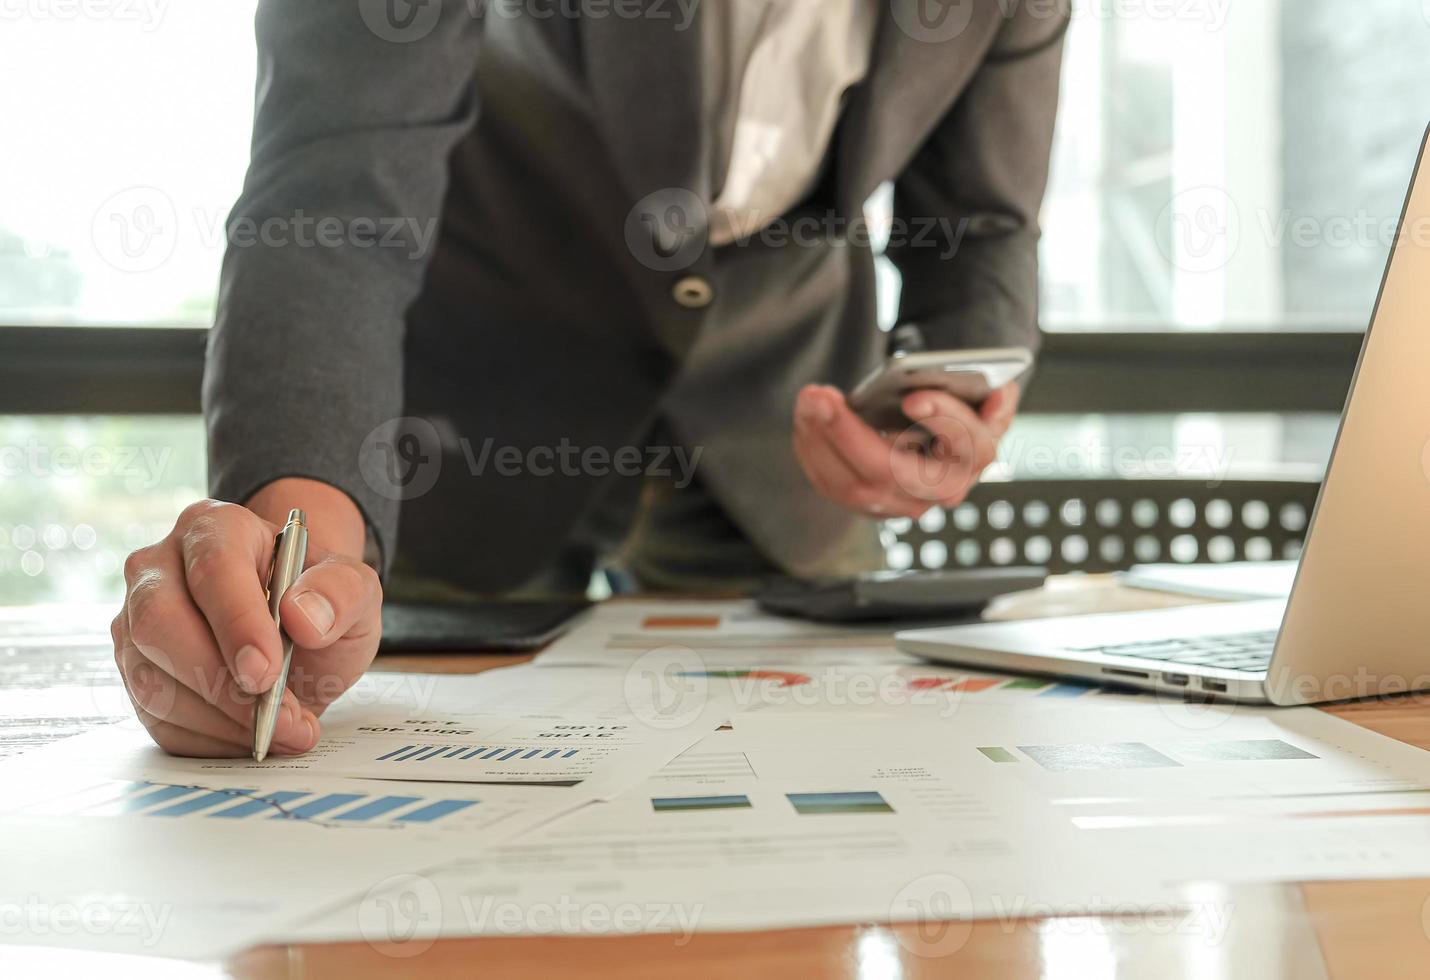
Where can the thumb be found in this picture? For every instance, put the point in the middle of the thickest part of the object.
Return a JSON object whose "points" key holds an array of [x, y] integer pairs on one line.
{"points": [[331, 599]]}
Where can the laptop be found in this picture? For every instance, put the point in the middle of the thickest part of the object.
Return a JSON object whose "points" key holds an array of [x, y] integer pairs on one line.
{"points": [[1357, 621]]}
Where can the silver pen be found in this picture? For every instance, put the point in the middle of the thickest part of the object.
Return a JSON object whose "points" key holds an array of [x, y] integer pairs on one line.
{"points": [[290, 552]]}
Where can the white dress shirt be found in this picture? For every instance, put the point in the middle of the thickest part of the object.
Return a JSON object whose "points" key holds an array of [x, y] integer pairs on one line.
{"points": [[776, 74]]}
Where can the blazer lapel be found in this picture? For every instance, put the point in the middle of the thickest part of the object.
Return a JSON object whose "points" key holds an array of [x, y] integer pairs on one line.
{"points": [[645, 76], [646, 79]]}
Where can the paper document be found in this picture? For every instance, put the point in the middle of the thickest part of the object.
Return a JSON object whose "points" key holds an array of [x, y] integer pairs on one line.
{"points": [[1232, 581], [409, 727], [180, 889], [900, 690], [175, 866], [221, 853], [602, 757], [683, 792], [715, 843], [1128, 778], [729, 634]]}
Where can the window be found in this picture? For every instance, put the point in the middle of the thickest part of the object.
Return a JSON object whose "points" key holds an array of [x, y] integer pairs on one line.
{"points": [[81, 493], [126, 141], [1223, 163], [1215, 448], [1218, 164]]}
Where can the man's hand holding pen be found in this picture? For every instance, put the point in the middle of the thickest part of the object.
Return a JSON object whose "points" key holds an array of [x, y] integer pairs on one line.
{"points": [[197, 645]]}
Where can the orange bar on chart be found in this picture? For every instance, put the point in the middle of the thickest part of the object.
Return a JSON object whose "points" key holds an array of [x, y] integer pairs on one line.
{"points": [[681, 623], [975, 684]]}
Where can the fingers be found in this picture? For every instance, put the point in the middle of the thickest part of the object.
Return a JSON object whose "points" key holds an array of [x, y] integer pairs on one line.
{"points": [[847, 461], [961, 448], [194, 640], [910, 473], [167, 630], [194, 728], [163, 625], [335, 598], [828, 472], [1000, 409], [835, 481], [186, 744], [334, 614], [159, 698], [226, 549], [936, 461], [864, 449]]}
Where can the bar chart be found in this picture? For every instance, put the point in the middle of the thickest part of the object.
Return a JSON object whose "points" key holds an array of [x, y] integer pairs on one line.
{"points": [[1032, 686], [538, 751], [1139, 755], [783, 678], [477, 753], [173, 801]]}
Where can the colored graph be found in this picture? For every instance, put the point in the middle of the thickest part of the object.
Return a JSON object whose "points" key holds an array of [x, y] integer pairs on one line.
{"points": [[471, 753], [785, 678], [672, 804], [1116, 755], [693, 764], [681, 623], [970, 685], [997, 754], [976, 685], [1136, 755], [163, 800], [1241, 750], [752, 641], [808, 804]]}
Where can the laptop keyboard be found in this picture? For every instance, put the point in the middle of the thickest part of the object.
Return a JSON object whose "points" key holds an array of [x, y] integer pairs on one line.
{"points": [[1250, 652]]}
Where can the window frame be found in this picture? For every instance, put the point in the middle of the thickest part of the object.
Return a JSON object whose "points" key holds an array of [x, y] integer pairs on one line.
{"points": [[158, 371]]}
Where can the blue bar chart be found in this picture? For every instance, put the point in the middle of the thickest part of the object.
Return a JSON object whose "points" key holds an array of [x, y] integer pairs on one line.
{"points": [[475, 753], [167, 801], [535, 752]]}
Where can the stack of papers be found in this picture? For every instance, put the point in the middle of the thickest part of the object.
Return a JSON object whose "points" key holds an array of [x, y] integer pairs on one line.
{"points": [[676, 767], [718, 635], [198, 858]]}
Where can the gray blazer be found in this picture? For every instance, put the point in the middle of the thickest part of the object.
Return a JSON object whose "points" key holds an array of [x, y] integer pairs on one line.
{"points": [[475, 227]]}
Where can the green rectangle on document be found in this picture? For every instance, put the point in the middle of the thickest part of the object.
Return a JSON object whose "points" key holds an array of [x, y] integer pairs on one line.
{"points": [[806, 804], [996, 754], [670, 804]]}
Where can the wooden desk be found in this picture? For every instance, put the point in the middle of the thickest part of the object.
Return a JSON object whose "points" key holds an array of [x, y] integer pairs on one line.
{"points": [[1353, 930]]}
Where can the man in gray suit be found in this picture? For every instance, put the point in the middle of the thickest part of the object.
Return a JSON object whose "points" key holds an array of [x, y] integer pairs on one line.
{"points": [[547, 284]]}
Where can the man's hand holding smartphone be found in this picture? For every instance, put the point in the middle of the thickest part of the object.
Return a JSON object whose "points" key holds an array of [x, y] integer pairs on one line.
{"points": [[934, 461]]}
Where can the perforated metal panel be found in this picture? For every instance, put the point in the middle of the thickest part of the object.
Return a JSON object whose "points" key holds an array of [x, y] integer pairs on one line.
{"points": [[1105, 525]]}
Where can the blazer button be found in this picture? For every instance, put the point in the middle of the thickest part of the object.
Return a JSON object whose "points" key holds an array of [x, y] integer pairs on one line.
{"points": [[694, 292]]}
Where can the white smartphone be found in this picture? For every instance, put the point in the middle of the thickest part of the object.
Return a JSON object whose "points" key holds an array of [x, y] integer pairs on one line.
{"points": [[968, 375]]}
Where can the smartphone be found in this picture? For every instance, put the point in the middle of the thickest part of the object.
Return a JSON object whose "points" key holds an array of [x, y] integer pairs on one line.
{"points": [[968, 375]]}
